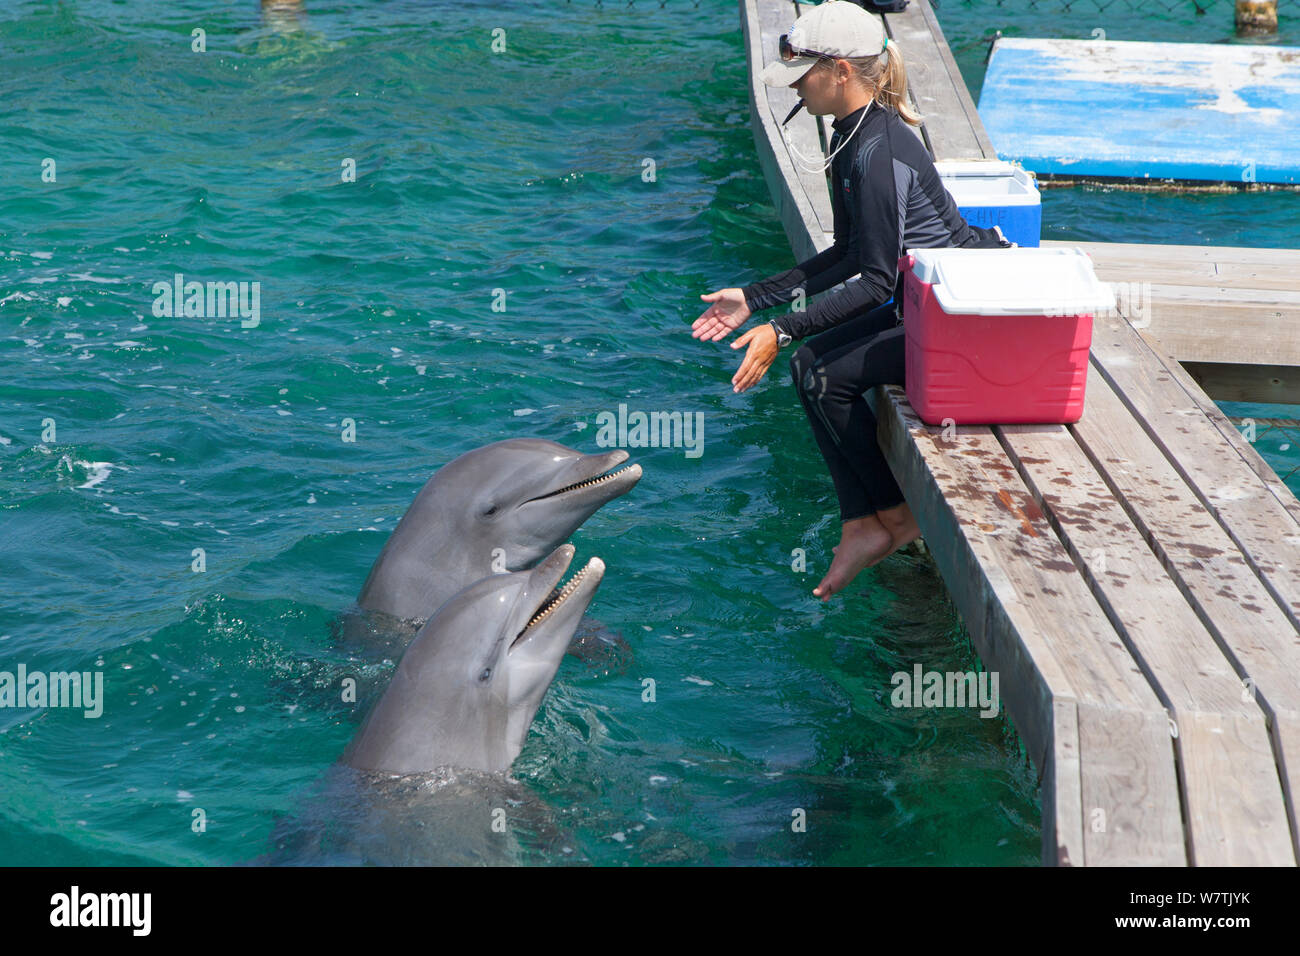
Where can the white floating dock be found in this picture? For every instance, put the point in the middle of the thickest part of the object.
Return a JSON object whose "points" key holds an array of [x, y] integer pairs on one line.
{"points": [[1185, 111]]}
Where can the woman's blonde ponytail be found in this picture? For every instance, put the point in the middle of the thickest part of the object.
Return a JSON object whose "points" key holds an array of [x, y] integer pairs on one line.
{"points": [[887, 75], [893, 89]]}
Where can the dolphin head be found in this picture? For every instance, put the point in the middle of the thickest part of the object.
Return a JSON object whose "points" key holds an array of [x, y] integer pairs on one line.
{"points": [[530, 494], [503, 506], [469, 685]]}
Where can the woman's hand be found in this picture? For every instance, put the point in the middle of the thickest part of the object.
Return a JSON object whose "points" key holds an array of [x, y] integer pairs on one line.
{"points": [[727, 313], [762, 353]]}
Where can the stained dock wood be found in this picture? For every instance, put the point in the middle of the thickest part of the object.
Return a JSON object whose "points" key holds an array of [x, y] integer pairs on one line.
{"points": [[1265, 532], [1228, 432], [1165, 636], [1252, 634], [1015, 583]]}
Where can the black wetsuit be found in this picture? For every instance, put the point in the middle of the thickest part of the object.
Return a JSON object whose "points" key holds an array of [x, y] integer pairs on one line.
{"points": [[886, 197]]}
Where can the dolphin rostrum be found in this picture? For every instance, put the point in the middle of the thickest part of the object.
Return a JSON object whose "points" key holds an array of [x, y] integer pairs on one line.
{"points": [[502, 507], [467, 688]]}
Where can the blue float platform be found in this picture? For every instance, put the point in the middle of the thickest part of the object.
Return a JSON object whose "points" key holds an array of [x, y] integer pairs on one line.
{"points": [[1184, 111]]}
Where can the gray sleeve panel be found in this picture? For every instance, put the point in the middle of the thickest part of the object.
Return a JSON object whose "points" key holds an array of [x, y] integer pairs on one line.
{"points": [[911, 212]]}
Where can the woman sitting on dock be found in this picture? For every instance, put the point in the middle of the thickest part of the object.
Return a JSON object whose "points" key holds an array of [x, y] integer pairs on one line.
{"points": [[886, 197]]}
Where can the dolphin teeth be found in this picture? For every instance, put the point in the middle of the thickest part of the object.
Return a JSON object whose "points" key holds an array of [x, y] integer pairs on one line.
{"points": [[557, 597], [584, 484]]}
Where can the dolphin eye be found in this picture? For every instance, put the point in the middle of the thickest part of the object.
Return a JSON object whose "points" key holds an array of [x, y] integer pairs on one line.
{"points": [[490, 510], [485, 676]]}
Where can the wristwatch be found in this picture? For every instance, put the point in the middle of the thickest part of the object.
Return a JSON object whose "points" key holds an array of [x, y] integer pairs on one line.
{"points": [[782, 337]]}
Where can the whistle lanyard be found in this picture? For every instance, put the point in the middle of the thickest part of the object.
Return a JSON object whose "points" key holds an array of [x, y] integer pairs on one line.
{"points": [[816, 166]]}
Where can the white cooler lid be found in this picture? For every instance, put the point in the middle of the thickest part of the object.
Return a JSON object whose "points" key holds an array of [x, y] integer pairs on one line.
{"points": [[1013, 281], [987, 182], [974, 167]]}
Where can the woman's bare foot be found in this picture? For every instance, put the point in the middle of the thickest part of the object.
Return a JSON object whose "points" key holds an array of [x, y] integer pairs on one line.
{"points": [[901, 525], [863, 542]]}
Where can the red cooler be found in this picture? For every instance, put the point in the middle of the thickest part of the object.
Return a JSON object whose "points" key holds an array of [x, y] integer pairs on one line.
{"points": [[999, 336]]}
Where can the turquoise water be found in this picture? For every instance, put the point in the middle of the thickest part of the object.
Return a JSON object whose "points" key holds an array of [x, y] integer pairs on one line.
{"points": [[128, 440]]}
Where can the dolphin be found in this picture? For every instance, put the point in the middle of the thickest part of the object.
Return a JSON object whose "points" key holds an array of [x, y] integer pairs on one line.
{"points": [[424, 779], [501, 507], [466, 690]]}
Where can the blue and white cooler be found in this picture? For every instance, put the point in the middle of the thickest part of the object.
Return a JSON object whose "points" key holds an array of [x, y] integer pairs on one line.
{"points": [[991, 192]]}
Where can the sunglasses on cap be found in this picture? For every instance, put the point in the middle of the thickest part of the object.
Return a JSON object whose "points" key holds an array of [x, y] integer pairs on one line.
{"points": [[789, 52]]}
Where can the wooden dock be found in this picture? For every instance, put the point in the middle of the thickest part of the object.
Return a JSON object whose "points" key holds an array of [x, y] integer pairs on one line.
{"points": [[1232, 316], [1133, 578]]}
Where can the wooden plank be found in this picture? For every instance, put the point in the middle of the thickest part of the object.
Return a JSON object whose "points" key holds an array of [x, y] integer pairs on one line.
{"points": [[1277, 303], [959, 84], [1254, 635], [953, 129], [1278, 270], [1125, 825], [793, 204], [1207, 324], [1207, 303], [1227, 331], [1063, 817], [1229, 434], [1015, 584], [775, 19], [1195, 276], [1208, 430], [1286, 736], [1269, 260], [1180, 657], [1272, 265], [1245, 506], [1216, 746], [982, 140], [1195, 549]]}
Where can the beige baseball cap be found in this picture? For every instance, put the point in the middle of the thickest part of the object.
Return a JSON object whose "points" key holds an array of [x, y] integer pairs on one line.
{"points": [[836, 28]]}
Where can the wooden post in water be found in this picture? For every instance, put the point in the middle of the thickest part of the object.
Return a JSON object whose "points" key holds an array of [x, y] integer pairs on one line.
{"points": [[1256, 17]]}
